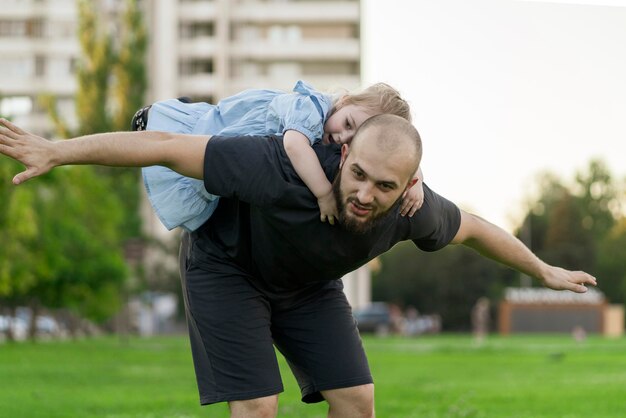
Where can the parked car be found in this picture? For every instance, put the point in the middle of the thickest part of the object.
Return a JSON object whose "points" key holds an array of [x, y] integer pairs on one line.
{"points": [[18, 326], [375, 318]]}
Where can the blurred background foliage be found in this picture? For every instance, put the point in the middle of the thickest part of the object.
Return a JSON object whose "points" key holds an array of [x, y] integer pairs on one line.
{"points": [[578, 225], [64, 236]]}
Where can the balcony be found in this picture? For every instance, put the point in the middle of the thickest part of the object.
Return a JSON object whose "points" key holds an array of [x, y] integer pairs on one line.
{"points": [[197, 11], [200, 47], [197, 84], [12, 9], [32, 86], [327, 49], [43, 46], [281, 12], [320, 82]]}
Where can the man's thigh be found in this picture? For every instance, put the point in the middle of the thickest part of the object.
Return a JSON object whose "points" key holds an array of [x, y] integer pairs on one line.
{"points": [[229, 328], [319, 338]]}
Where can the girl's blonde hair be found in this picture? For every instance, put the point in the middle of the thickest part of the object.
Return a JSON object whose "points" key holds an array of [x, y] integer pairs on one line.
{"points": [[379, 98]]}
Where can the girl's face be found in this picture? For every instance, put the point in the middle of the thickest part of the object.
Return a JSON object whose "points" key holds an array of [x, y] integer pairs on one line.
{"points": [[340, 127]]}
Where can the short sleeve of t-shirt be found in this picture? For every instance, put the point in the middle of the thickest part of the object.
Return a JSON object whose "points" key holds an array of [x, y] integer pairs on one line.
{"points": [[436, 223], [304, 110], [253, 169]]}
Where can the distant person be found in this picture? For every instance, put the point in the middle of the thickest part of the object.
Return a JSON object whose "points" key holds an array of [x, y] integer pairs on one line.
{"points": [[412, 325], [304, 117], [264, 272], [480, 319]]}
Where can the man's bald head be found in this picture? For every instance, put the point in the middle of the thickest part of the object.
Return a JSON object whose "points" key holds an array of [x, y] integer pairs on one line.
{"points": [[377, 168], [393, 136]]}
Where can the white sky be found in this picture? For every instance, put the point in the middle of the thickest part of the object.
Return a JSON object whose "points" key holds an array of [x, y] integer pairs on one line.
{"points": [[503, 90]]}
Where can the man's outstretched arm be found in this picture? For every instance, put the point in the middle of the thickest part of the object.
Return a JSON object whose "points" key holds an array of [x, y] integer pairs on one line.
{"points": [[497, 244], [182, 153]]}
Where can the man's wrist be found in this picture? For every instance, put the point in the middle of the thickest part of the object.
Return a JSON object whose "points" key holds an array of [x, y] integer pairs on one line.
{"points": [[57, 153]]}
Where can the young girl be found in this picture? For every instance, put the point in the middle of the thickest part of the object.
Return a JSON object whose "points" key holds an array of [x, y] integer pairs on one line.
{"points": [[303, 117]]}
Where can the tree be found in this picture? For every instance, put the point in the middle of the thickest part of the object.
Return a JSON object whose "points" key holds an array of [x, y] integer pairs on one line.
{"points": [[565, 225], [63, 236], [577, 227], [112, 82], [447, 282], [612, 263]]}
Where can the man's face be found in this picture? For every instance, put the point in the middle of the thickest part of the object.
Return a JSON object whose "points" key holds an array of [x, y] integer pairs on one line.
{"points": [[369, 184]]}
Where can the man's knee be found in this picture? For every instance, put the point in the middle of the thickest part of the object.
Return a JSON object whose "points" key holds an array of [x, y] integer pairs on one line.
{"points": [[353, 402], [266, 407]]}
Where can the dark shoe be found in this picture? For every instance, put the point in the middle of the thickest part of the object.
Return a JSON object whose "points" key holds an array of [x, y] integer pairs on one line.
{"points": [[140, 119]]}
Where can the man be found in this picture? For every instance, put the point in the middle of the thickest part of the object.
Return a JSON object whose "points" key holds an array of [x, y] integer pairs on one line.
{"points": [[264, 271]]}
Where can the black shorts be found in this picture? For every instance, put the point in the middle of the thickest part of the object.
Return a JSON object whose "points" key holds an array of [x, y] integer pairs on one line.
{"points": [[234, 325]]}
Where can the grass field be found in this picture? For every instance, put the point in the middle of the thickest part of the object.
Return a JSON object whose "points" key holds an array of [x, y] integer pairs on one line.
{"points": [[430, 377]]}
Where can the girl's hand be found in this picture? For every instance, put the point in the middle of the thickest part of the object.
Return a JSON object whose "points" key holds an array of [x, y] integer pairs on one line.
{"points": [[328, 208], [413, 199]]}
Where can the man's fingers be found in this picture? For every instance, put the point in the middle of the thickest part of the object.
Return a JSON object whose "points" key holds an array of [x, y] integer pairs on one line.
{"points": [[580, 280], [25, 175], [6, 136], [578, 288], [7, 150], [11, 127], [585, 278]]}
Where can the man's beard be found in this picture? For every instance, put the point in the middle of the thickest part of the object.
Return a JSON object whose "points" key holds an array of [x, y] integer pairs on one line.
{"points": [[352, 224]]}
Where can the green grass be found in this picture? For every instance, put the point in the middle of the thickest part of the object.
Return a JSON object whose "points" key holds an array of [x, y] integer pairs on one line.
{"points": [[430, 377]]}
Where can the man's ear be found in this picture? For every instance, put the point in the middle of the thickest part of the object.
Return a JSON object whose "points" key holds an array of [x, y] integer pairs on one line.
{"points": [[345, 149]]}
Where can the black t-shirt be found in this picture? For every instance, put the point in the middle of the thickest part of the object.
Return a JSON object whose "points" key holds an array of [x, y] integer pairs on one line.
{"points": [[267, 222]]}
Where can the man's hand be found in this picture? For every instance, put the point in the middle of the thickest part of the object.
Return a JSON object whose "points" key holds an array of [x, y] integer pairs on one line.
{"points": [[497, 244], [560, 279], [35, 152]]}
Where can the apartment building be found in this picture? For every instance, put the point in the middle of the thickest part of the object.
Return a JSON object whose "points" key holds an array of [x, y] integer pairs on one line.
{"points": [[203, 49], [39, 48], [209, 49]]}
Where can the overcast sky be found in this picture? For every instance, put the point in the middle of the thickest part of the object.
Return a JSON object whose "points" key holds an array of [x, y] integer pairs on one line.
{"points": [[503, 90]]}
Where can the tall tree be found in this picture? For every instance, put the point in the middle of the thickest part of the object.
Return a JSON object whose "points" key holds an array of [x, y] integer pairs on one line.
{"points": [[130, 79], [447, 282], [63, 237], [112, 81], [612, 263]]}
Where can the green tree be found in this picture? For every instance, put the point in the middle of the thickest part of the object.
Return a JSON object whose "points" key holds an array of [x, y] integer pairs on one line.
{"points": [[447, 282], [65, 233], [112, 81], [577, 227], [612, 263], [565, 225]]}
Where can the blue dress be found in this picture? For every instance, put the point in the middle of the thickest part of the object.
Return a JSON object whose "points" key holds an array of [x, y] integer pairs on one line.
{"points": [[182, 201]]}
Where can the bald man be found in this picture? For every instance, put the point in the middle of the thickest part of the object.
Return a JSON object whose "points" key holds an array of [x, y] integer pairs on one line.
{"points": [[264, 271]]}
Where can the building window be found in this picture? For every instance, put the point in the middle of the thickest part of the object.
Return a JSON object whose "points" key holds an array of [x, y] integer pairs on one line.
{"points": [[35, 28], [16, 106], [196, 66], [12, 28], [40, 65], [197, 30], [18, 67]]}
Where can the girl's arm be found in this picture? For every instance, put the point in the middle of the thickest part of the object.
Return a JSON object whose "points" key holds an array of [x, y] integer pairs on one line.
{"points": [[414, 197], [307, 166]]}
